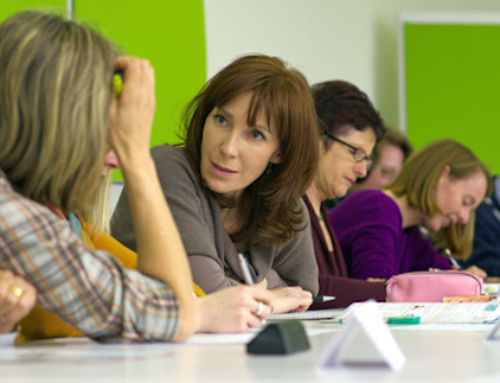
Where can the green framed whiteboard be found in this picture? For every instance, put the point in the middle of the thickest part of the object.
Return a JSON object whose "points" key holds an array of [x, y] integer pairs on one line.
{"points": [[450, 80]]}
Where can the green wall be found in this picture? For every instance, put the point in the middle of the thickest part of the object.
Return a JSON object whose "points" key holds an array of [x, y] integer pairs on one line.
{"points": [[169, 33], [452, 85], [8, 8]]}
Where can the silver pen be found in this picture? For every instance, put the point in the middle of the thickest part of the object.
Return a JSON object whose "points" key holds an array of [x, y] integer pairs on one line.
{"points": [[453, 261], [245, 269]]}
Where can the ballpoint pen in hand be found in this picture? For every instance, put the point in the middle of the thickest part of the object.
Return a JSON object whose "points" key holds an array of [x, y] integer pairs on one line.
{"points": [[323, 299], [245, 270], [453, 261]]}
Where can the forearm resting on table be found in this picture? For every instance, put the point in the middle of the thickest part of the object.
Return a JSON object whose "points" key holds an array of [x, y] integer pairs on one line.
{"points": [[160, 250], [274, 280]]}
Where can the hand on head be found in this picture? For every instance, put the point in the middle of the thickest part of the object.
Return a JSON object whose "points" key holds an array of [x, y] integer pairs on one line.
{"points": [[291, 299], [234, 309], [132, 113], [17, 298]]}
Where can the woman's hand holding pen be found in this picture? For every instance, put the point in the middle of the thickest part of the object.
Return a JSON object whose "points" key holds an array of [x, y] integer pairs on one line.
{"points": [[291, 299], [285, 298], [477, 271], [235, 309]]}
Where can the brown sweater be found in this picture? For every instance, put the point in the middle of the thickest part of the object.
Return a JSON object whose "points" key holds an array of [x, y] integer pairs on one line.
{"points": [[212, 255]]}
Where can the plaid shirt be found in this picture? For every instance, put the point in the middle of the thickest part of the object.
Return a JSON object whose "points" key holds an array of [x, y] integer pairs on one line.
{"points": [[89, 289]]}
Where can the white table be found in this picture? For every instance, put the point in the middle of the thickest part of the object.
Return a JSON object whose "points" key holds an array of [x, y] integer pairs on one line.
{"points": [[451, 356]]}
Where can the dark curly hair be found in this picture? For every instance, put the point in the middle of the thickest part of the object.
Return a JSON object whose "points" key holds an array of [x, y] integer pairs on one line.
{"points": [[340, 106]]}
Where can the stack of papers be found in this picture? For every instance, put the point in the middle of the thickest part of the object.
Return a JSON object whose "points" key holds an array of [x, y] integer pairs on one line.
{"points": [[449, 313], [308, 315], [491, 288]]}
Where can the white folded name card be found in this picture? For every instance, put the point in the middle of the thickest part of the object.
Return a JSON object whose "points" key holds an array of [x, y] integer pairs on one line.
{"points": [[364, 341]]}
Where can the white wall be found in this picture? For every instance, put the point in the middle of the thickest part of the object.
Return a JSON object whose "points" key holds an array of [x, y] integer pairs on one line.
{"points": [[353, 40]]}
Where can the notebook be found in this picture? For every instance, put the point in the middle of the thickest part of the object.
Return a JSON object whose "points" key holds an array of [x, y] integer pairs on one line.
{"points": [[308, 315]]}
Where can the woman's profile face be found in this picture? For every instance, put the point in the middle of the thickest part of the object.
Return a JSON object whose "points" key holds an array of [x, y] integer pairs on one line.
{"points": [[456, 199], [234, 154], [338, 170], [388, 166]]}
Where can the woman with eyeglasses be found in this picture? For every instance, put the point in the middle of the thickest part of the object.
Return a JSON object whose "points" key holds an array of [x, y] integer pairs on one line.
{"points": [[437, 189], [350, 126]]}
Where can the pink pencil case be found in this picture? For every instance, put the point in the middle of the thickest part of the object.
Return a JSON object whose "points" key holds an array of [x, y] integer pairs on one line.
{"points": [[432, 286]]}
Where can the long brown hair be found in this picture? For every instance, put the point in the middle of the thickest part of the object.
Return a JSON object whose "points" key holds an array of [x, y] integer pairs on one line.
{"points": [[268, 211], [55, 96]]}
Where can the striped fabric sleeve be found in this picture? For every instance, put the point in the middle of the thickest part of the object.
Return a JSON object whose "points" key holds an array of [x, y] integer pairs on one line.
{"points": [[89, 289]]}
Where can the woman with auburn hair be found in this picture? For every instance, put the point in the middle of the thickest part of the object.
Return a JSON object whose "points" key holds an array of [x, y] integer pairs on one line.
{"points": [[59, 119], [438, 189], [250, 151]]}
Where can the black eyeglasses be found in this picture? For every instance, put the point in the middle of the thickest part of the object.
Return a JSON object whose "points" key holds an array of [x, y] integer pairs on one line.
{"points": [[358, 154]]}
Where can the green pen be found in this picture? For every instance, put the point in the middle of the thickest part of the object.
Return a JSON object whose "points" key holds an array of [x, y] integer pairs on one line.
{"points": [[403, 320]]}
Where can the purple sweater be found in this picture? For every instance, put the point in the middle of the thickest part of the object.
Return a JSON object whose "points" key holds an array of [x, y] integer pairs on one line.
{"points": [[368, 225], [333, 277]]}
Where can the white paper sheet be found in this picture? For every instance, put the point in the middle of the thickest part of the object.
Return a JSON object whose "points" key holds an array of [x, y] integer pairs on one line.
{"points": [[308, 315], [7, 339], [449, 313]]}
